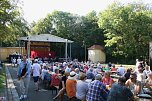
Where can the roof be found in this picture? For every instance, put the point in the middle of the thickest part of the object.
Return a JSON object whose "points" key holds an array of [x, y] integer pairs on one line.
{"points": [[44, 38], [96, 47]]}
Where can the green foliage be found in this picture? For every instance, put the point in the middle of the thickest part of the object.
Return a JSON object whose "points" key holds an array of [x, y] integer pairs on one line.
{"points": [[2, 79], [127, 29], [83, 30], [12, 25]]}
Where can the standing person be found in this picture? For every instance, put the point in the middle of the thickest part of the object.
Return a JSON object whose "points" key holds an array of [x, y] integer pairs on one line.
{"points": [[14, 61], [23, 73], [97, 90], [36, 70], [18, 61], [119, 92]]}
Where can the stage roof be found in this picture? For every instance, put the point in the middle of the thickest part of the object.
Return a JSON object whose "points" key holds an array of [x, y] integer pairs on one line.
{"points": [[44, 38]]}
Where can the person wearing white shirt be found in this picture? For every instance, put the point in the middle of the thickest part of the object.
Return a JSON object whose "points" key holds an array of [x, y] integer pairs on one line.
{"points": [[55, 67], [44, 71], [36, 70], [18, 61], [14, 61], [137, 65], [147, 70]]}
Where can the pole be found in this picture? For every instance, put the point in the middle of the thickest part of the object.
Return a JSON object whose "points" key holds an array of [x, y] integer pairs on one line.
{"points": [[85, 53], [66, 49], [28, 52], [70, 50], [84, 45], [19, 46]]}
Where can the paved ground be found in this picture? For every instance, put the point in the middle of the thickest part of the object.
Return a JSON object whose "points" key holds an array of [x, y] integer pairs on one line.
{"points": [[42, 95]]}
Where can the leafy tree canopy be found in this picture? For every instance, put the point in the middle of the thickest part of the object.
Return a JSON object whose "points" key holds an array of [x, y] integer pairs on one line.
{"points": [[12, 25], [83, 30], [127, 28]]}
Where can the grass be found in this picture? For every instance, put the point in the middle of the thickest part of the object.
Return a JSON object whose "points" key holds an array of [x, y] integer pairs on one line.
{"points": [[127, 66], [2, 79], [124, 65]]}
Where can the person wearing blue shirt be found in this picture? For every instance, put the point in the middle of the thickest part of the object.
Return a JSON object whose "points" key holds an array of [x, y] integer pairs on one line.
{"points": [[23, 73], [97, 90], [119, 92]]}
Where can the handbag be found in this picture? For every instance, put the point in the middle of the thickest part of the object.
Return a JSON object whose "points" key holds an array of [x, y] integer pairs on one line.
{"points": [[24, 70]]}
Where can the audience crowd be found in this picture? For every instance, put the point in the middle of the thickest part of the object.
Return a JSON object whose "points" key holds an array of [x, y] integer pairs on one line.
{"points": [[89, 81]]}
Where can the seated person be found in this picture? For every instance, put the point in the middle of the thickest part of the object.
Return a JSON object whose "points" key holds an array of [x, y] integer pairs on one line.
{"points": [[107, 68], [147, 70], [90, 74], [140, 75], [97, 90], [55, 78], [81, 87], [113, 69], [149, 81], [127, 74], [119, 92], [71, 85], [62, 87], [107, 80], [121, 70], [133, 84]]}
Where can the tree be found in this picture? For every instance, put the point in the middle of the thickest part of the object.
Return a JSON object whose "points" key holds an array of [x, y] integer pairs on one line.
{"points": [[127, 29], [12, 25], [80, 29], [93, 34]]}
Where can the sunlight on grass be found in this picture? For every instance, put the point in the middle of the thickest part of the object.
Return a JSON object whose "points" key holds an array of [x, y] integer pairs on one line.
{"points": [[2, 79]]}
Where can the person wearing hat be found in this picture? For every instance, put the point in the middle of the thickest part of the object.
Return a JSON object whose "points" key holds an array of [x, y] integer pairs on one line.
{"points": [[81, 87], [71, 85], [36, 70]]}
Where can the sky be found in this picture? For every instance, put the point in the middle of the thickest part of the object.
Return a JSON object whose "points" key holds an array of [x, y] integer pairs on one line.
{"points": [[33, 10]]}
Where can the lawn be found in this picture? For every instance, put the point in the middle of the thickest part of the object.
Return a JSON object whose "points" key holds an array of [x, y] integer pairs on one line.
{"points": [[124, 65], [127, 66]]}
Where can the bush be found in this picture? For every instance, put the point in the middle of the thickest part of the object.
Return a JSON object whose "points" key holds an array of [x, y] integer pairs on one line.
{"points": [[2, 78]]}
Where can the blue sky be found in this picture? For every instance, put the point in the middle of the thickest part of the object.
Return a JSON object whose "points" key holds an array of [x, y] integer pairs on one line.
{"points": [[37, 9]]}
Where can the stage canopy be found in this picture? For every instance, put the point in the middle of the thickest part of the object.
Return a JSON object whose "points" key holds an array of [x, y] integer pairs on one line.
{"points": [[45, 38]]}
